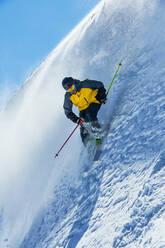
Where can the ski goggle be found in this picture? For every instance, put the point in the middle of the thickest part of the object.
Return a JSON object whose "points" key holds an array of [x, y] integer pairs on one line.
{"points": [[72, 88]]}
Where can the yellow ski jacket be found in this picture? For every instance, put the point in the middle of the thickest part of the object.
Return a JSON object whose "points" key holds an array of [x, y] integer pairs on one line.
{"points": [[84, 98]]}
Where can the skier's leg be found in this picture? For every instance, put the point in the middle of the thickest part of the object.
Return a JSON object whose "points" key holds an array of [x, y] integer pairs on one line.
{"points": [[90, 117], [84, 135], [95, 125], [84, 129], [92, 112]]}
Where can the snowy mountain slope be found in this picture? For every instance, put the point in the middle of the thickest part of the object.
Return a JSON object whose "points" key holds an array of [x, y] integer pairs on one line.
{"points": [[46, 202]]}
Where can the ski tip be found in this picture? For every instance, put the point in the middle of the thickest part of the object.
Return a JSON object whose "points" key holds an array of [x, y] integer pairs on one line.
{"points": [[120, 64]]}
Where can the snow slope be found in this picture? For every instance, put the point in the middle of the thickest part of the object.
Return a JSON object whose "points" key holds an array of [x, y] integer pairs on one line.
{"points": [[47, 203]]}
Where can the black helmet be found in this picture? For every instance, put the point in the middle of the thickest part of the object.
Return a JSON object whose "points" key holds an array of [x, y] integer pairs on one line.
{"points": [[67, 82]]}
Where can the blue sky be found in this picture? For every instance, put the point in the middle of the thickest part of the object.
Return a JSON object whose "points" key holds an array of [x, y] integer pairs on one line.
{"points": [[30, 29]]}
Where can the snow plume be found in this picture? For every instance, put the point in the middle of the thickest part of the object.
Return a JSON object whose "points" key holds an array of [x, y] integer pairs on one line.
{"points": [[6, 93], [43, 202]]}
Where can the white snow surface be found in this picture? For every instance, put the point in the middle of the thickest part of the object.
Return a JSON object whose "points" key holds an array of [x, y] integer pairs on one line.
{"points": [[45, 202]]}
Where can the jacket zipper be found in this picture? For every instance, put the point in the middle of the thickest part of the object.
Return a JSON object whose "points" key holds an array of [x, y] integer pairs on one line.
{"points": [[85, 99]]}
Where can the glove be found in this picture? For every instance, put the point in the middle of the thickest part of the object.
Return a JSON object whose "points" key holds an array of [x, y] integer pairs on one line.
{"points": [[80, 121], [101, 95]]}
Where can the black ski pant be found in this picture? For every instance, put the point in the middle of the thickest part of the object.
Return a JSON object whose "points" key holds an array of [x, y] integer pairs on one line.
{"points": [[89, 115]]}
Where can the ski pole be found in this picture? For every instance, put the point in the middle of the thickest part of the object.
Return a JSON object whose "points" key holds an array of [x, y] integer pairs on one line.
{"points": [[79, 124], [120, 64]]}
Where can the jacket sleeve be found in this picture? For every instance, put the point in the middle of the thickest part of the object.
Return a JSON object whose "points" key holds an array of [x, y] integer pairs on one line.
{"points": [[67, 104], [92, 84], [68, 108]]}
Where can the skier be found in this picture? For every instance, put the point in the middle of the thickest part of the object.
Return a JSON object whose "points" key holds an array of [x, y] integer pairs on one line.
{"points": [[88, 96]]}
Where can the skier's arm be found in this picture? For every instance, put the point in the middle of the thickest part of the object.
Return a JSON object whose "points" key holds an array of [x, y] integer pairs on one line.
{"points": [[101, 95], [68, 109]]}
